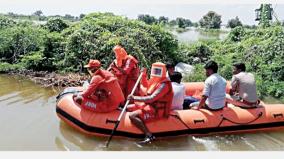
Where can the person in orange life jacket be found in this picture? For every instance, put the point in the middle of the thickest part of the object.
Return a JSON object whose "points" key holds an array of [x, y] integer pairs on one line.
{"points": [[104, 93], [157, 102], [125, 68]]}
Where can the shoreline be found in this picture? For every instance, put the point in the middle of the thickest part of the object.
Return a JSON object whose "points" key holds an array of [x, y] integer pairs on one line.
{"points": [[51, 79]]}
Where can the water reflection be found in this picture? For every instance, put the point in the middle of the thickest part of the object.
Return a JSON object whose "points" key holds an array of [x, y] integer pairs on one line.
{"points": [[18, 90]]}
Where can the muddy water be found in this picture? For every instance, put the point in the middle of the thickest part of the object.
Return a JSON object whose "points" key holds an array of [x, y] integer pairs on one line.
{"points": [[29, 123]]}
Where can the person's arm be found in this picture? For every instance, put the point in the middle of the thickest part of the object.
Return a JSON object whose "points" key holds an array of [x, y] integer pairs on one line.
{"points": [[96, 80], [202, 102], [110, 66], [206, 93], [144, 81], [234, 85], [158, 93], [129, 65]]}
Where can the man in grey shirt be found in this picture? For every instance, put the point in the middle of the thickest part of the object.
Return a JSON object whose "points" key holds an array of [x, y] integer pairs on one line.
{"points": [[214, 92], [243, 92]]}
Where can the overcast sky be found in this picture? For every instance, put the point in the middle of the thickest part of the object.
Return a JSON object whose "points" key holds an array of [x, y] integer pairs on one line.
{"points": [[190, 9]]}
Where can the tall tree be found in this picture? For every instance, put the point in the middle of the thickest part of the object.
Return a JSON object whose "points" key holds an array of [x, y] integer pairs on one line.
{"points": [[163, 19], [232, 23], [211, 20], [38, 13], [148, 19]]}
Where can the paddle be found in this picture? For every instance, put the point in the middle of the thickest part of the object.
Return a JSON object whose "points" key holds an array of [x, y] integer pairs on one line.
{"points": [[123, 110]]}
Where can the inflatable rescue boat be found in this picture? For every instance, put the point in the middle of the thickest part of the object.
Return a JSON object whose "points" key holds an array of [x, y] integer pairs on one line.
{"points": [[231, 119]]}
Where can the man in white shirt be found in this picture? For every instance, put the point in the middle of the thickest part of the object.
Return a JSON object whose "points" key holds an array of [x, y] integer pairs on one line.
{"points": [[243, 88], [179, 91], [214, 92]]}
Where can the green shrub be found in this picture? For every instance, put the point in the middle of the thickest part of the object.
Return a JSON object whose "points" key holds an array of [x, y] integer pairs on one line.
{"points": [[6, 67], [98, 33], [56, 25], [6, 22], [33, 61], [18, 41]]}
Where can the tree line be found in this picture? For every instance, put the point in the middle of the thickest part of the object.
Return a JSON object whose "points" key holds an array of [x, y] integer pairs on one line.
{"points": [[211, 20]]}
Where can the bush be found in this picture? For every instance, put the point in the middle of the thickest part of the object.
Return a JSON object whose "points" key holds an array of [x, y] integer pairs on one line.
{"points": [[33, 61], [97, 34], [6, 22], [236, 34], [56, 25], [197, 76], [6, 67], [17, 41]]}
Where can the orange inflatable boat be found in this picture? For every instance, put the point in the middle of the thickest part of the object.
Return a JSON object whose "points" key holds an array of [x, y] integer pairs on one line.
{"points": [[231, 119]]}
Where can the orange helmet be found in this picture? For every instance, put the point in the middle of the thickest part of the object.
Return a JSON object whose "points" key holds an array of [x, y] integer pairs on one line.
{"points": [[120, 54], [158, 74], [93, 63]]}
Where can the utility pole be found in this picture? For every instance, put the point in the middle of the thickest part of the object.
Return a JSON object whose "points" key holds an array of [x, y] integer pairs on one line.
{"points": [[264, 15]]}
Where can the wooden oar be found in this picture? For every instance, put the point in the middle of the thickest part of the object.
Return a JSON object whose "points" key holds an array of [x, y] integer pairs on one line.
{"points": [[123, 110]]}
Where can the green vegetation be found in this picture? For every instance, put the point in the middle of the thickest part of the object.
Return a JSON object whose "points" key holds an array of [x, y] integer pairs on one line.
{"points": [[65, 46], [179, 22], [261, 49], [211, 20], [59, 46], [232, 23], [39, 16]]}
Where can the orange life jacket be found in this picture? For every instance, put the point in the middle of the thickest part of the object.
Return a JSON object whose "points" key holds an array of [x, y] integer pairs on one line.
{"points": [[163, 104], [107, 95]]}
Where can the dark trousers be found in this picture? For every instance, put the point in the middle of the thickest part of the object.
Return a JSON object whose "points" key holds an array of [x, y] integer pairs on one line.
{"points": [[188, 100]]}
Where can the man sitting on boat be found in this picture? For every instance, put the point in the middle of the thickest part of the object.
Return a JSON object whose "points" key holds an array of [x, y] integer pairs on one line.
{"points": [[104, 93], [214, 92], [178, 90], [156, 104], [243, 88], [125, 68]]}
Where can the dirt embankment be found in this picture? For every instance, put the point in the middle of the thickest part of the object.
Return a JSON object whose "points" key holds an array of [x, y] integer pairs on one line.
{"points": [[47, 79]]}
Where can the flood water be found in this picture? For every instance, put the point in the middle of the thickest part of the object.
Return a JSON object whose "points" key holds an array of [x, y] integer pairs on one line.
{"points": [[29, 123], [192, 35]]}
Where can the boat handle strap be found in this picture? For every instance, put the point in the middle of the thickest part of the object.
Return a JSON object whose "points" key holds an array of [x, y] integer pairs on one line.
{"points": [[278, 115], [110, 121], [198, 121]]}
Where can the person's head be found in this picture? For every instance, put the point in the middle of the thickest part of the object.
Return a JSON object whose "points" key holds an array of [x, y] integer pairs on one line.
{"points": [[120, 55], [211, 67], [176, 77], [170, 68], [239, 67], [93, 66], [158, 74]]}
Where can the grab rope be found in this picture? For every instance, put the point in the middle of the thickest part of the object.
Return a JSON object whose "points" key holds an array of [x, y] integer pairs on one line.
{"points": [[224, 118]]}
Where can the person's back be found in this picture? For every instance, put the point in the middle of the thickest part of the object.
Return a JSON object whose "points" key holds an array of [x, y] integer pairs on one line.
{"points": [[243, 88], [126, 69], [103, 94], [216, 91], [131, 70], [246, 86], [178, 90]]}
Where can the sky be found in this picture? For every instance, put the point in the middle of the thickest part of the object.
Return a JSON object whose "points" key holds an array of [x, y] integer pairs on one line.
{"points": [[190, 9]]}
